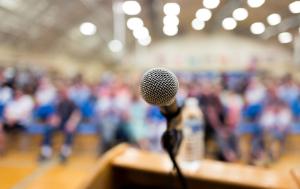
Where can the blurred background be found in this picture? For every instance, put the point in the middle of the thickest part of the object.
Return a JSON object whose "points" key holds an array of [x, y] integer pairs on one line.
{"points": [[70, 71]]}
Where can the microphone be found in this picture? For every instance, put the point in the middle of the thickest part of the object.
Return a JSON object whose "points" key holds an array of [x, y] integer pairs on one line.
{"points": [[158, 87]]}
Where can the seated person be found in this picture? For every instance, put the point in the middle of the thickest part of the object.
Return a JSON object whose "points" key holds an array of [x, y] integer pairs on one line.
{"points": [[16, 114], [112, 117], [217, 133], [248, 130], [233, 104], [66, 118], [18, 110], [275, 121], [156, 124], [45, 96], [137, 128], [5, 97]]}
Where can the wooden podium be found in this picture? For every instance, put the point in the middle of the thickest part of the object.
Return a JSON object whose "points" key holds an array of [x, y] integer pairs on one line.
{"points": [[125, 167]]}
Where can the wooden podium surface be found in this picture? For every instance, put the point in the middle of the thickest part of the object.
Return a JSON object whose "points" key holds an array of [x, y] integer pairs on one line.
{"points": [[296, 175], [127, 167]]}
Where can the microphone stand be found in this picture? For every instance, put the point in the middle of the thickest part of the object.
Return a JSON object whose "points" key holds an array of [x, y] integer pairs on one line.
{"points": [[171, 140]]}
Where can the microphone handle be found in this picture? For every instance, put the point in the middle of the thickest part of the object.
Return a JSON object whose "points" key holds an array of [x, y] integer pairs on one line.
{"points": [[173, 115]]}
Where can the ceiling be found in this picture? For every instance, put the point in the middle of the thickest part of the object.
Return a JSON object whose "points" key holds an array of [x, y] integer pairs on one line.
{"points": [[53, 25]]}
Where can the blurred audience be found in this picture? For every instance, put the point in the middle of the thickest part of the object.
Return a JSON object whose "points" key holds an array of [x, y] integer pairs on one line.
{"points": [[246, 116]]}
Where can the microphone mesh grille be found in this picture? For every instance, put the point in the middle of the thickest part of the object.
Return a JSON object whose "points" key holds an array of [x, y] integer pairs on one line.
{"points": [[159, 86]]}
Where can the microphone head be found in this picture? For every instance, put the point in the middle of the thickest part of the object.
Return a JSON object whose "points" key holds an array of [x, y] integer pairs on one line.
{"points": [[159, 86]]}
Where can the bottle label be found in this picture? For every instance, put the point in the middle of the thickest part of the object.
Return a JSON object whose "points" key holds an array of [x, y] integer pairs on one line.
{"points": [[194, 125]]}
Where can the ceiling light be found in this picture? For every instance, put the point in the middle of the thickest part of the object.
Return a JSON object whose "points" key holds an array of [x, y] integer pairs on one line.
{"points": [[203, 14], [131, 7], [145, 41], [9, 4], [170, 30], [255, 3], [274, 19], [211, 4], [115, 46], [295, 7], [197, 24], [141, 33], [171, 9], [240, 14], [134, 22], [257, 28], [88, 28], [285, 37], [229, 23], [171, 20]]}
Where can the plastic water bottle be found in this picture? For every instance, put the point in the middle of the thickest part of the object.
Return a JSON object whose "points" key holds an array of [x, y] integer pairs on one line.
{"points": [[192, 147]]}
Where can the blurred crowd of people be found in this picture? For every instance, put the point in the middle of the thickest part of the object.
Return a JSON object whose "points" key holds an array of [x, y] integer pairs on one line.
{"points": [[246, 116]]}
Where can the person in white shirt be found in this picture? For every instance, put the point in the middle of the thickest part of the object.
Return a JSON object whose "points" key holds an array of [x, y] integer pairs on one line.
{"points": [[288, 90], [18, 110], [275, 121]]}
